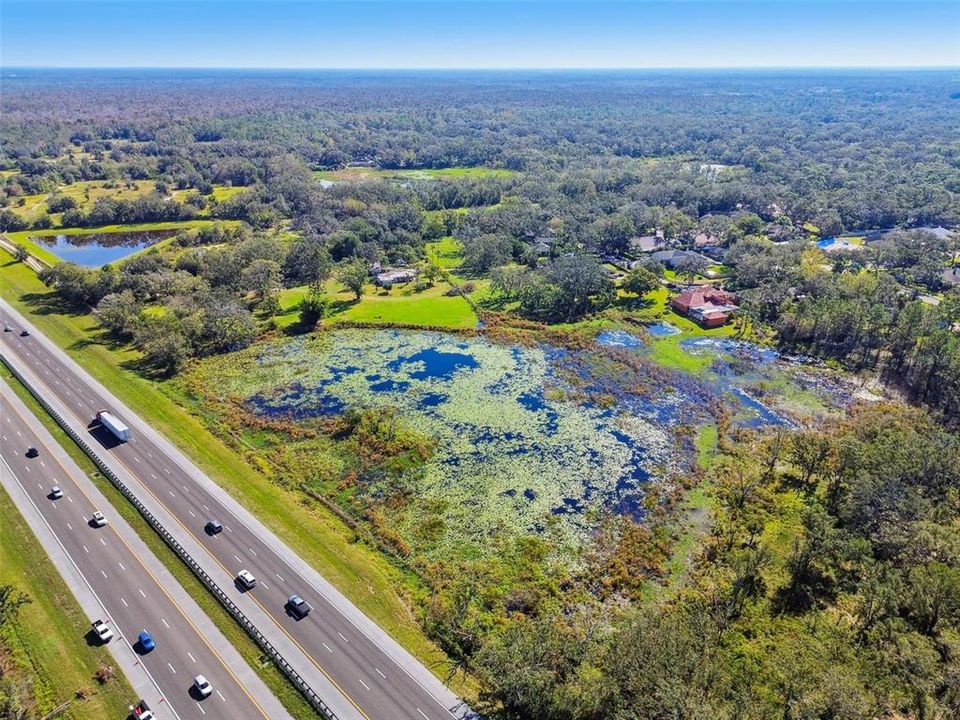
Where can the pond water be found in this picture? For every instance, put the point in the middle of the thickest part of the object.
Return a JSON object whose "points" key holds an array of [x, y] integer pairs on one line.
{"points": [[97, 249], [512, 447], [619, 338], [663, 329]]}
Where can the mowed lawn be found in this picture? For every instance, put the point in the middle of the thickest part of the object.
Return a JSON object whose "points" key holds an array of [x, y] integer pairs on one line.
{"points": [[47, 639], [400, 306], [430, 307]]}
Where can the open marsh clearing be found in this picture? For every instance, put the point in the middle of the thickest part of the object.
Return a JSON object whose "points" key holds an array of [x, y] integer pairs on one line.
{"points": [[524, 434]]}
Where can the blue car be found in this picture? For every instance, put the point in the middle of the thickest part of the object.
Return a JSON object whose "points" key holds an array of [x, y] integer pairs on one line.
{"points": [[146, 642]]}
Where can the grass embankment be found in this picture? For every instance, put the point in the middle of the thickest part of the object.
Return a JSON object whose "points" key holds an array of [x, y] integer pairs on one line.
{"points": [[48, 650], [248, 649], [359, 571]]}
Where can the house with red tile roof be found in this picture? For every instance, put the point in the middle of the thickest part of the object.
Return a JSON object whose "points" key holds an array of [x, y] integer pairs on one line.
{"points": [[708, 307]]}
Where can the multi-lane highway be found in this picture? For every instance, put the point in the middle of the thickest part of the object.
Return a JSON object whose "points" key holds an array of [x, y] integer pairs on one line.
{"points": [[132, 589], [369, 670]]}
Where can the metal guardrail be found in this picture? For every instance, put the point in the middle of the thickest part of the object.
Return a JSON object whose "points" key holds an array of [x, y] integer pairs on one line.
{"points": [[258, 637]]}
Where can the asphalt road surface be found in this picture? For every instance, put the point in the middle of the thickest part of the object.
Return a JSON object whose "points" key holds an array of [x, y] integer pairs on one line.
{"points": [[378, 678], [129, 583]]}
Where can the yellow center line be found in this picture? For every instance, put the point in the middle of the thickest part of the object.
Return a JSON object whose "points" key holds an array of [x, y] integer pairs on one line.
{"points": [[153, 577], [282, 629], [186, 529]]}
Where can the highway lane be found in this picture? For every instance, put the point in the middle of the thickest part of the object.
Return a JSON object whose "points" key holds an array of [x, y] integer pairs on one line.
{"points": [[136, 593], [380, 680]]}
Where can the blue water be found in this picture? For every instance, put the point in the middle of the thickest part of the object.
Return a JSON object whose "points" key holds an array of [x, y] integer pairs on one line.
{"points": [[288, 404], [663, 329], [437, 365], [737, 348], [762, 414], [619, 338], [100, 249], [390, 386], [431, 400]]}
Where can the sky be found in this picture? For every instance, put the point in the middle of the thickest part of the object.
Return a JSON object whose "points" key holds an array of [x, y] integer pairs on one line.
{"points": [[479, 33]]}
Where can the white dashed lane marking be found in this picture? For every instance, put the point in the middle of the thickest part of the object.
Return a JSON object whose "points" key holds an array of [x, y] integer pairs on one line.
{"points": [[363, 683]]}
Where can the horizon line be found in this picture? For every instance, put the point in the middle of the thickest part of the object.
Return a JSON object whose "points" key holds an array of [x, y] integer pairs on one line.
{"points": [[481, 68]]}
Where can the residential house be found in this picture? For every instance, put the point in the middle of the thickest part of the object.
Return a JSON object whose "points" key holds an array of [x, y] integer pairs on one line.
{"points": [[673, 258], [646, 243], [708, 307], [395, 276], [702, 240]]}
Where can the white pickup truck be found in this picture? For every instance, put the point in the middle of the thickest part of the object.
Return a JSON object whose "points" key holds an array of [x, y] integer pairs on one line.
{"points": [[102, 631]]}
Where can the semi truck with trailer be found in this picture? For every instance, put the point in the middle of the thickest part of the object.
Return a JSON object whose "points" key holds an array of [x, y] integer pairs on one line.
{"points": [[112, 423]]}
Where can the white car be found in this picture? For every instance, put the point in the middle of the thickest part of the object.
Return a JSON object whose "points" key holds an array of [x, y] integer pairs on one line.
{"points": [[102, 631], [245, 578], [98, 519], [56, 493], [203, 687]]}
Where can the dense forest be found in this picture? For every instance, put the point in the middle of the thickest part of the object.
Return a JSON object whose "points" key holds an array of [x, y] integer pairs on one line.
{"points": [[828, 584]]}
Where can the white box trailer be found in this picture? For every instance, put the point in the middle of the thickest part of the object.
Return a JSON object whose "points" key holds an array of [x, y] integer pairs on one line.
{"points": [[114, 424]]}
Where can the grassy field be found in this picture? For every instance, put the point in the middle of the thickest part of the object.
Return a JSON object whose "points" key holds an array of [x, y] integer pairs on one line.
{"points": [[403, 306], [86, 193], [359, 571], [359, 174], [46, 641], [445, 252], [400, 305]]}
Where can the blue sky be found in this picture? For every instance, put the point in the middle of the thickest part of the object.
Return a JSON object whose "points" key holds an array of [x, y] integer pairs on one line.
{"points": [[478, 33]]}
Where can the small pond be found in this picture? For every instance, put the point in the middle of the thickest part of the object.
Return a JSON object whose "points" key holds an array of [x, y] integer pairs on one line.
{"points": [[663, 329], [97, 249]]}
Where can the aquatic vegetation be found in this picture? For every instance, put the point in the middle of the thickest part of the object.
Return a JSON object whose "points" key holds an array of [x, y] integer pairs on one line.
{"points": [[523, 433]]}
